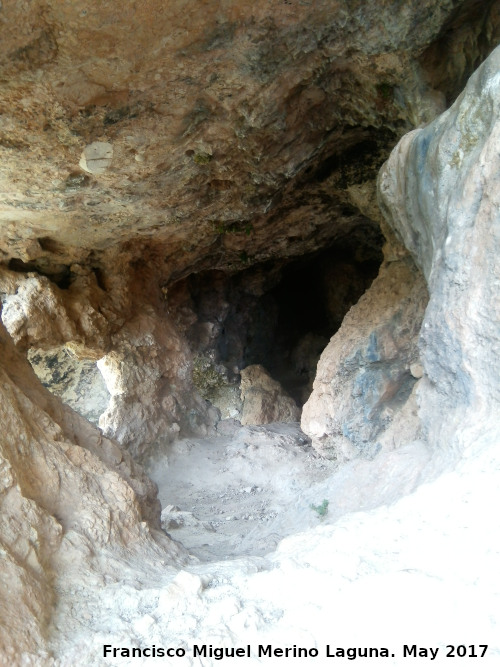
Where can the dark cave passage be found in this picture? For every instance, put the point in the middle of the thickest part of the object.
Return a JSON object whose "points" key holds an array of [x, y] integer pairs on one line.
{"points": [[312, 298], [279, 314]]}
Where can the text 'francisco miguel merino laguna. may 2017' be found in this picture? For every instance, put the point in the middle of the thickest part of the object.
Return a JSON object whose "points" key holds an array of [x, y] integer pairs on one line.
{"points": [[270, 651]]}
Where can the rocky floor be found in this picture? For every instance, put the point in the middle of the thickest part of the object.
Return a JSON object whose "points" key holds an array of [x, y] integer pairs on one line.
{"points": [[240, 494], [419, 569]]}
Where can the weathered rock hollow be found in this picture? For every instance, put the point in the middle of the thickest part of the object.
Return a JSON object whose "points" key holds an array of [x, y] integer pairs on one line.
{"points": [[191, 229]]}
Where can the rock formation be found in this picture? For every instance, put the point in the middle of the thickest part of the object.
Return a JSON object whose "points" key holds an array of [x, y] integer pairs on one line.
{"points": [[224, 122], [439, 191], [364, 375], [66, 493], [78, 382], [264, 400], [194, 199], [249, 136]]}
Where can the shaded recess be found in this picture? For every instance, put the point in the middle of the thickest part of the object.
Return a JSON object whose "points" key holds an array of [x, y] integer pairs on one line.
{"points": [[279, 314], [78, 382], [59, 274], [473, 31]]}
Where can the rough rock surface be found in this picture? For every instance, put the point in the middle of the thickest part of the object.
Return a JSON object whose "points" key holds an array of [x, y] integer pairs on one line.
{"points": [[225, 124], [65, 492], [264, 400], [440, 190], [243, 133], [77, 382], [221, 137], [148, 375], [37, 313], [145, 362], [364, 375]]}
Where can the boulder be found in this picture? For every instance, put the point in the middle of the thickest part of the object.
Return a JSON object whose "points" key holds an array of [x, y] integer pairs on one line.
{"points": [[364, 375], [264, 400]]}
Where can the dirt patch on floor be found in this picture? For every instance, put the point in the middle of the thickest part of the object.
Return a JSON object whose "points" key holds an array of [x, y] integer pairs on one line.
{"points": [[240, 494]]}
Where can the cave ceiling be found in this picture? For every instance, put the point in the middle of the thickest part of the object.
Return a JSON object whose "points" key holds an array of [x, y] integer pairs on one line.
{"points": [[196, 135]]}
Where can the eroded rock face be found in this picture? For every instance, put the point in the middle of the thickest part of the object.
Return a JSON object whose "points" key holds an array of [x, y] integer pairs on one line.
{"points": [[364, 376], [145, 363], [440, 192], [217, 138], [65, 491], [149, 377], [264, 400], [75, 509], [77, 382], [220, 134], [37, 313]]}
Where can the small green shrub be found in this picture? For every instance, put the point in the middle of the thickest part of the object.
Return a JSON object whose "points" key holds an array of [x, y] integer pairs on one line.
{"points": [[202, 158], [321, 510], [206, 377]]}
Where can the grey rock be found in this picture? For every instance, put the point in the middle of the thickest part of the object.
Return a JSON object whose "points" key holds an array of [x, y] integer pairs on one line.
{"points": [[440, 191]]}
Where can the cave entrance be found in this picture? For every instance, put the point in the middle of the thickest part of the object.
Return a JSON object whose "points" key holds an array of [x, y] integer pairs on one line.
{"points": [[241, 492], [279, 314], [310, 301]]}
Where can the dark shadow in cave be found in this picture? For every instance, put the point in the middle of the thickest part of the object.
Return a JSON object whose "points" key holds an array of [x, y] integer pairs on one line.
{"points": [[282, 313], [309, 302]]}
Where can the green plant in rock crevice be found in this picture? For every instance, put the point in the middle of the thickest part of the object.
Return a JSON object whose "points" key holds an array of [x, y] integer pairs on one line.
{"points": [[321, 510], [202, 158]]}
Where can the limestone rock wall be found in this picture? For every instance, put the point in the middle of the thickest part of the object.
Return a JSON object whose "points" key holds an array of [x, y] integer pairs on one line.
{"points": [[74, 506], [221, 127], [149, 376], [440, 192], [145, 362], [367, 372], [218, 137], [37, 313], [77, 382], [65, 491]]}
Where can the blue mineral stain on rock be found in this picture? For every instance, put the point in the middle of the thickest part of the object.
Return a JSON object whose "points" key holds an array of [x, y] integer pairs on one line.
{"points": [[372, 450], [346, 431], [367, 388], [422, 141], [372, 354]]}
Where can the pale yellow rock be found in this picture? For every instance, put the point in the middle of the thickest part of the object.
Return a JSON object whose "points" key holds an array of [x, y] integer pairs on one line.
{"points": [[264, 400], [61, 483]]}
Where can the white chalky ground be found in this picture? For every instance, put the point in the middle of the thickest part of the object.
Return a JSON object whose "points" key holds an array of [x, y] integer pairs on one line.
{"points": [[421, 571]]}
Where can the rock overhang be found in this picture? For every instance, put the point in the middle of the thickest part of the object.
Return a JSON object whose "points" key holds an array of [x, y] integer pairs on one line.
{"points": [[234, 134]]}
